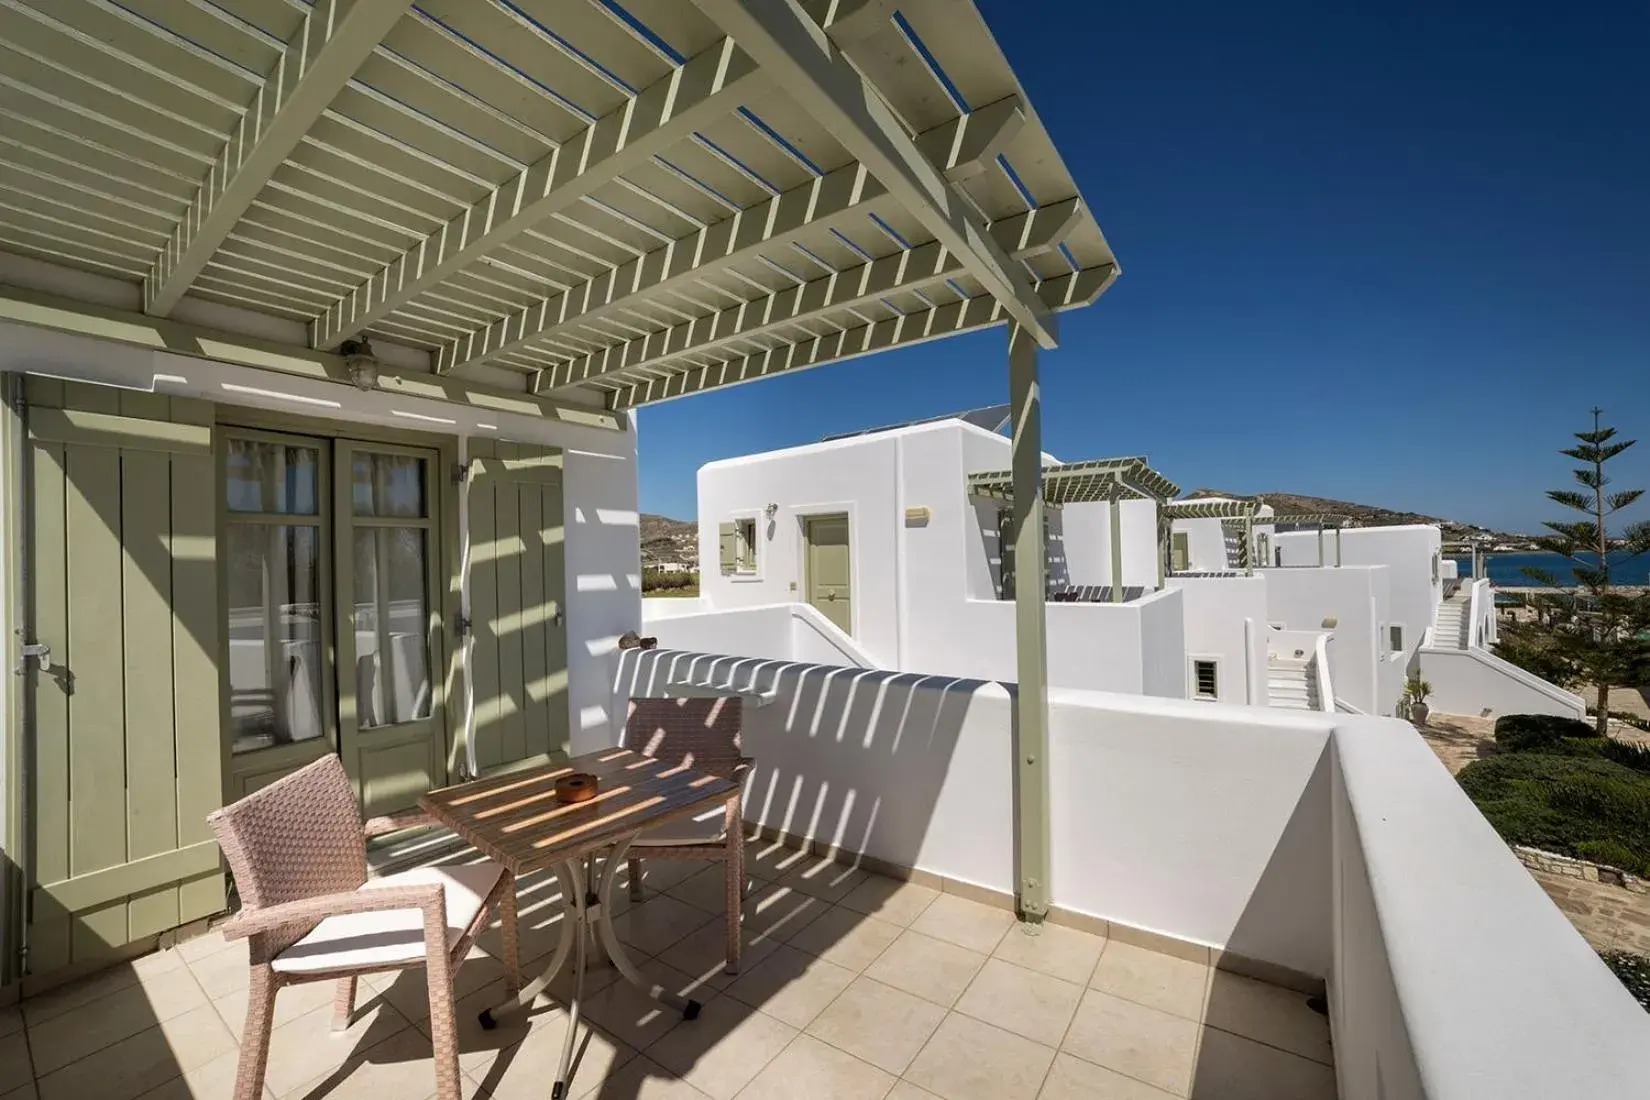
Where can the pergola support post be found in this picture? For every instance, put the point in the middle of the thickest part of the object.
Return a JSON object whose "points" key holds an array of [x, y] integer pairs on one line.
{"points": [[1337, 547], [1162, 548], [1249, 545], [1320, 546], [1116, 550], [1030, 632]]}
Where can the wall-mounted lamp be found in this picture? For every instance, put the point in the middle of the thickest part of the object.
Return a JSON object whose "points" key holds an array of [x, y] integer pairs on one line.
{"points": [[362, 365], [770, 509]]}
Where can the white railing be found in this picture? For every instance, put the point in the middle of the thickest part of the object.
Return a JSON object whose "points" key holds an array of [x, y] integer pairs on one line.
{"points": [[1320, 672], [1481, 595], [1332, 846], [789, 631]]}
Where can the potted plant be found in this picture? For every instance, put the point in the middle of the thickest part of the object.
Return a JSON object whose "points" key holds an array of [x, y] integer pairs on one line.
{"points": [[1416, 691]]}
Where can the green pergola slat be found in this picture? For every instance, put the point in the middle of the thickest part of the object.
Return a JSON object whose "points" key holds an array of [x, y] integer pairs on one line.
{"points": [[1313, 519], [1213, 509], [1102, 479]]}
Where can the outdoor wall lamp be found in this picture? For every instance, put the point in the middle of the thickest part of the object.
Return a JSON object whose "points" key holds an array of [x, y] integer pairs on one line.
{"points": [[770, 509]]}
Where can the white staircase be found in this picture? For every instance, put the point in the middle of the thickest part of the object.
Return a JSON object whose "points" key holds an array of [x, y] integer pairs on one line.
{"points": [[1290, 683], [1449, 624]]}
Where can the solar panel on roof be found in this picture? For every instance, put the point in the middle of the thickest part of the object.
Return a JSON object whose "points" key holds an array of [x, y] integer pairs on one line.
{"points": [[993, 418]]}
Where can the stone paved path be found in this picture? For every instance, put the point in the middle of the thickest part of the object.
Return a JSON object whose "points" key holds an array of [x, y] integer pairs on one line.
{"points": [[1609, 917]]}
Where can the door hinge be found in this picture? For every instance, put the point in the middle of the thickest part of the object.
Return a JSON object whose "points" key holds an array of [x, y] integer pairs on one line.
{"points": [[38, 652], [461, 472], [462, 626]]}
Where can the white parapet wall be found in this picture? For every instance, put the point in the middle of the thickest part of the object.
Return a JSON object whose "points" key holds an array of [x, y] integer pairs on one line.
{"points": [[1333, 847]]}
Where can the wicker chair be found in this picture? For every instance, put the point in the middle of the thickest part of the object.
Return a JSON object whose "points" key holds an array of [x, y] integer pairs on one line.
{"points": [[298, 851], [704, 735]]}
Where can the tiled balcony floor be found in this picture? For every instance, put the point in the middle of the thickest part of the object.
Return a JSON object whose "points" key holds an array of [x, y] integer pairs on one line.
{"points": [[854, 986]]}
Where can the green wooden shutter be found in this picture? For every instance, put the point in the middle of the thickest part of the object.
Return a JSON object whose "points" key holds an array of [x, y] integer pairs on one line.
{"points": [[518, 664], [126, 733], [728, 540]]}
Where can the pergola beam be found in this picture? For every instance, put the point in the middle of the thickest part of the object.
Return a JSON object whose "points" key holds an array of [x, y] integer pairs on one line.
{"points": [[1023, 236], [332, 42], [1066, 292], [798, 54], [711, 84], [836, 198]]}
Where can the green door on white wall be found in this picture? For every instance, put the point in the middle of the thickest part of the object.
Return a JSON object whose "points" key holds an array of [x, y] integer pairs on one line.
{"points": [[829, 568], [121, 716]]}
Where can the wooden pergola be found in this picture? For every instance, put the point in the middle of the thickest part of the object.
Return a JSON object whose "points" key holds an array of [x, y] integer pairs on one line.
{"points": [[1237, 512], [564, 208], [1320, 522]]}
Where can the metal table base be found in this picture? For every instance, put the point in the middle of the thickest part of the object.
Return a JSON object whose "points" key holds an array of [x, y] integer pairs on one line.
{"points": [[585, 913]]}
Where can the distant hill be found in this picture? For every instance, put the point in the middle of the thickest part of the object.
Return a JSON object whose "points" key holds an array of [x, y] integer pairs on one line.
{"points": [[669, 540], [1366, 515]]}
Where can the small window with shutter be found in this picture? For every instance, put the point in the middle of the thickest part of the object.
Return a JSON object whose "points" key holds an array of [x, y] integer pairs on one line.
{"points": [[1180, 551], [1395, 637], [1205, 679], [736, 543]]}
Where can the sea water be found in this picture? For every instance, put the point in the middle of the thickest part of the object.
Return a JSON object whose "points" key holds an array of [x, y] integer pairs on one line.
{"points": [[1507, 570]]}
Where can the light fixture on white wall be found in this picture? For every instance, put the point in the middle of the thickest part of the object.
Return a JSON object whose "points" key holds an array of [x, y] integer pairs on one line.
{"points": [[770, 509]]}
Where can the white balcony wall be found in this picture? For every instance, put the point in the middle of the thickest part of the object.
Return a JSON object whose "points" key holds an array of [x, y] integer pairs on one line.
{"points": [[1088, 543], [1358, 598], [1205, 544], [1225, 621], [603, 580], [1476, 682], [1334, 846]]}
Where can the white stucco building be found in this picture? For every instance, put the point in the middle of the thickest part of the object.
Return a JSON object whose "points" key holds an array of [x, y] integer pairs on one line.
{"points": [[885, 547]]}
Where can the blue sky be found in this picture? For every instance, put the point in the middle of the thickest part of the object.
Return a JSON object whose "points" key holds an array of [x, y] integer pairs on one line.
{"points": [[1387, 252]]}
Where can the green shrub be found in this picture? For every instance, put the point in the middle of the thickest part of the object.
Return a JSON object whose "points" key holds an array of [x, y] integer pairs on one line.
{"points": [[1609, 853], [1524, 732], [1634, 972], [1627, 755], [1561, 803]]}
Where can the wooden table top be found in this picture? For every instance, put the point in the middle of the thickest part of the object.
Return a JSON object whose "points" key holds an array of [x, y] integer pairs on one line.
{"points": [[516, 819]]}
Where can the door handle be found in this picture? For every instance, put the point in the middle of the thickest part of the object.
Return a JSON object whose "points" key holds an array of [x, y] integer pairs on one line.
{"points": [[831, 596], [38, 652]]}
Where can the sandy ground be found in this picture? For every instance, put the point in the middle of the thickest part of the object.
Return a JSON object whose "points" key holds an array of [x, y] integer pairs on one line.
{"points": [[1609, 917]]}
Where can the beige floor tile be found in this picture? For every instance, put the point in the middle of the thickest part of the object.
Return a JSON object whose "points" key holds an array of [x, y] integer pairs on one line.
{"points": [[721, 1051], [890, 900], [660, 875], [15, 1069], [776, 913], [1132, 1039], [213, 1081], [1053, 950], [1157, 981], [479, 1047], [290, 1003], [39, 1009], [878, 1024], [811, 1070], [1269, 1014], [144, 1061], [1074, 1079], [971, 1060], [402, 1067], [703, 955], [905, 1090], [307, 1048], [964, 923], [661, 922], [207, 943], [125, 1012], [791, 985], [1230, 1067], [1023, 1001], [409, 990], [932, 969], [629, 1014], [705, 889], [849, 939], [643, 1079], [526, 1070], [825, 879], [223, 971], [768, 862]]}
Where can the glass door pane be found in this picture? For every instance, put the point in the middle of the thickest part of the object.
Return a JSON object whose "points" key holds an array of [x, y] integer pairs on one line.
{"points": [[276, 635]]}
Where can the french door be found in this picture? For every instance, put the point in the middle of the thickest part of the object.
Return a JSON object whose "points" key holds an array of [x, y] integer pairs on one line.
{"points": [[330, 577]]}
